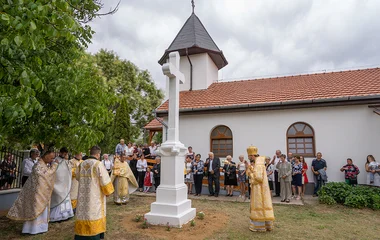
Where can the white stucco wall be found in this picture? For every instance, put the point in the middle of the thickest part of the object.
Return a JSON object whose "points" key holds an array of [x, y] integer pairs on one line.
{"points": [[205, 71], [340, 132]]}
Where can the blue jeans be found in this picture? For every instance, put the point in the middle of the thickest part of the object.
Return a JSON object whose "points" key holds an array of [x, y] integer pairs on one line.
{"points": [[317, 183]]}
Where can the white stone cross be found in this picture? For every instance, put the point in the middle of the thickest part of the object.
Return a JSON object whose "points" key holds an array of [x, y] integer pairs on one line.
{"points": [[171, 70], [172, 207]]}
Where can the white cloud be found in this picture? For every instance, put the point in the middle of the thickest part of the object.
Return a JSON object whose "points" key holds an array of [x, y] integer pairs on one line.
{"points": [[258, 37]]}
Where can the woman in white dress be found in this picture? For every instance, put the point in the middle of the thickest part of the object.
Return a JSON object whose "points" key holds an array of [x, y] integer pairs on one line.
{"points": [[373, 173]]}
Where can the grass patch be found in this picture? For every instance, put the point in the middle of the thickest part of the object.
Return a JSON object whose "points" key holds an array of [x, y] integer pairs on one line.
{"points": [[316, 221]]}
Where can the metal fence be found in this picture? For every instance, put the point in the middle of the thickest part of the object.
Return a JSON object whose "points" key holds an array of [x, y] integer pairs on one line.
{"points": [[11, 167]]}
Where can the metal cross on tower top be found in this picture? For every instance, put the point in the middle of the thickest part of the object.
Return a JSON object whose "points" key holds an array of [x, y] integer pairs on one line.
{"points": [[193, 5]]}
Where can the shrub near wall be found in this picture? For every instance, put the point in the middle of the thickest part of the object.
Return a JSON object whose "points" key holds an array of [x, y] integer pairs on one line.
{"points": [[356, 197]]}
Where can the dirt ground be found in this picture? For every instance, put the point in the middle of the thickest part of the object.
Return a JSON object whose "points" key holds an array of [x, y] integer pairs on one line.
{"points": [[203, 229], [223, 220]]}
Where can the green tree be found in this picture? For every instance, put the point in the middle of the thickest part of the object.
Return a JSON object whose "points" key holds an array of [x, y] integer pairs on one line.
{"points": [[45, 73], [75, 109], [133, 88], [122, 126], [158, 137]]}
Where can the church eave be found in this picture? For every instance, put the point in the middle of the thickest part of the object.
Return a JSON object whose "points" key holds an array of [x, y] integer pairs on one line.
{"points": [[323, 102], [217, 56]]}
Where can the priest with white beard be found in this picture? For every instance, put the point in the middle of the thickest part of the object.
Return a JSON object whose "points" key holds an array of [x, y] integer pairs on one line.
{"points": [[60, 206]]}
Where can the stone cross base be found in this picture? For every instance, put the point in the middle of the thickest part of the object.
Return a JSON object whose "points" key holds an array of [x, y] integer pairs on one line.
{"points": [[172, 214], [172, 207]]}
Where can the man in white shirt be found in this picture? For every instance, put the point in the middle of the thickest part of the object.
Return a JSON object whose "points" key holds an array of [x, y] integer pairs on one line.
{"points": [[213, 169], [152, 149], [27, 165], [275, 160], [107, 163]]}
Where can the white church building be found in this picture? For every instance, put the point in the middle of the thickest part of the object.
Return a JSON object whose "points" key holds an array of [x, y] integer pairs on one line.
{"points": [[335, 113]]}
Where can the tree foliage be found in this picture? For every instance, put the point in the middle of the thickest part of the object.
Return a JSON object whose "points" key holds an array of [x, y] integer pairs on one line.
{"points": [[122, 126], [75, 108], [136, 92], [48, 85], [52, 92]]}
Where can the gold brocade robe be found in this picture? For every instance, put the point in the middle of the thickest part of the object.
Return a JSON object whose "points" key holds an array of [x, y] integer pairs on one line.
{"points": [[124, 182], [94, 185], [74, 163], [36, 193], [261, 200]]}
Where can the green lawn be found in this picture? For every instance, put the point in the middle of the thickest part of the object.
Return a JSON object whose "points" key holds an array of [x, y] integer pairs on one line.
{"points": [[224, 220]]}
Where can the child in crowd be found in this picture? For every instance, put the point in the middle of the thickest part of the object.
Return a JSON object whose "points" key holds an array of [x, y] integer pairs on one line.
{"points": [[189, 177], [148, 180]]}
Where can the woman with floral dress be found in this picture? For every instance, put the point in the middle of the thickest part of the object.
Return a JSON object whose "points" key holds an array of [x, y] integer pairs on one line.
{"points": [[189, 177], [351, 172], [297, 176]]}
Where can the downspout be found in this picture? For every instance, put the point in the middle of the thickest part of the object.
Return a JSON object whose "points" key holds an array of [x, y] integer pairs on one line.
{"points": [[191, 71]]}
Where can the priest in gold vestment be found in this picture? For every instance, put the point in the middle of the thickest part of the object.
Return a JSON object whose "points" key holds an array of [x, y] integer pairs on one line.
{"points": [[94, 185], [74, 163], [261, 209], [33, 202], [123, 181]]}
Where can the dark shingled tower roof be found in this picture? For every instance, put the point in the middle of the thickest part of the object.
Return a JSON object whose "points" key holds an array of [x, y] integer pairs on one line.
{"points": [[194, 37]]}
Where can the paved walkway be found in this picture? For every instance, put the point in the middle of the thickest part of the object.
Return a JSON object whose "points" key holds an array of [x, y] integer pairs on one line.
{"points": [[308, 199]]}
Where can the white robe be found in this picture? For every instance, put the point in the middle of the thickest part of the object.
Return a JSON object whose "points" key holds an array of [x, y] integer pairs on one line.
{"points": [[38, 225], [60, 208], [62, 212]]}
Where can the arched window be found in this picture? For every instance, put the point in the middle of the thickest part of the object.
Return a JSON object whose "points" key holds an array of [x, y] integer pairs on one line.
{"points": [[221, 141], [300, 139]]}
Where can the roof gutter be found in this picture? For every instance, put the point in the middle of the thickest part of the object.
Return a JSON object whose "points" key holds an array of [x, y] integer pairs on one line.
{"points": [[278, 104], [191, 70]]}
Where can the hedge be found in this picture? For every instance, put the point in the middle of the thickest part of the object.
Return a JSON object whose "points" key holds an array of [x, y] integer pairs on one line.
{"points": [[356, 197]]}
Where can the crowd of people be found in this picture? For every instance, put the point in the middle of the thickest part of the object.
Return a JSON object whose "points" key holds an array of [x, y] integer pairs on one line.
{"points": [[287, 175], [136, 156], [55, 188]]}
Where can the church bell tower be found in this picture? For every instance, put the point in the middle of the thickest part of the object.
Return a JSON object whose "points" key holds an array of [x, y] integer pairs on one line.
{"points": [[201, 59]]}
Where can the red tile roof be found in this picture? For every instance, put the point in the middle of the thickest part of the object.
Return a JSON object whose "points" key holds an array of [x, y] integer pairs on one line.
{"points": [[351, 83], [154, 124]]}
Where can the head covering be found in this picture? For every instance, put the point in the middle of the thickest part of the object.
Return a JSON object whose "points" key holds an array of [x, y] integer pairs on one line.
{"points": [[252, 150]]}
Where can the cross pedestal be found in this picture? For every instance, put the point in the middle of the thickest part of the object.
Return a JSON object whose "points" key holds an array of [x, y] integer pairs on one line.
{"points": [[172, 206]]}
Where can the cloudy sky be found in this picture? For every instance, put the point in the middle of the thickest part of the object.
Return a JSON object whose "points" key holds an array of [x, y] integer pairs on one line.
{"points": [[259, 38]]}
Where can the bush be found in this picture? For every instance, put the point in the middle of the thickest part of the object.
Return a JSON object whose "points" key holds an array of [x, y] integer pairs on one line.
{"points": [[326, 199], [337, 190], [356, 197], [375, 202], [356, 201]]}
